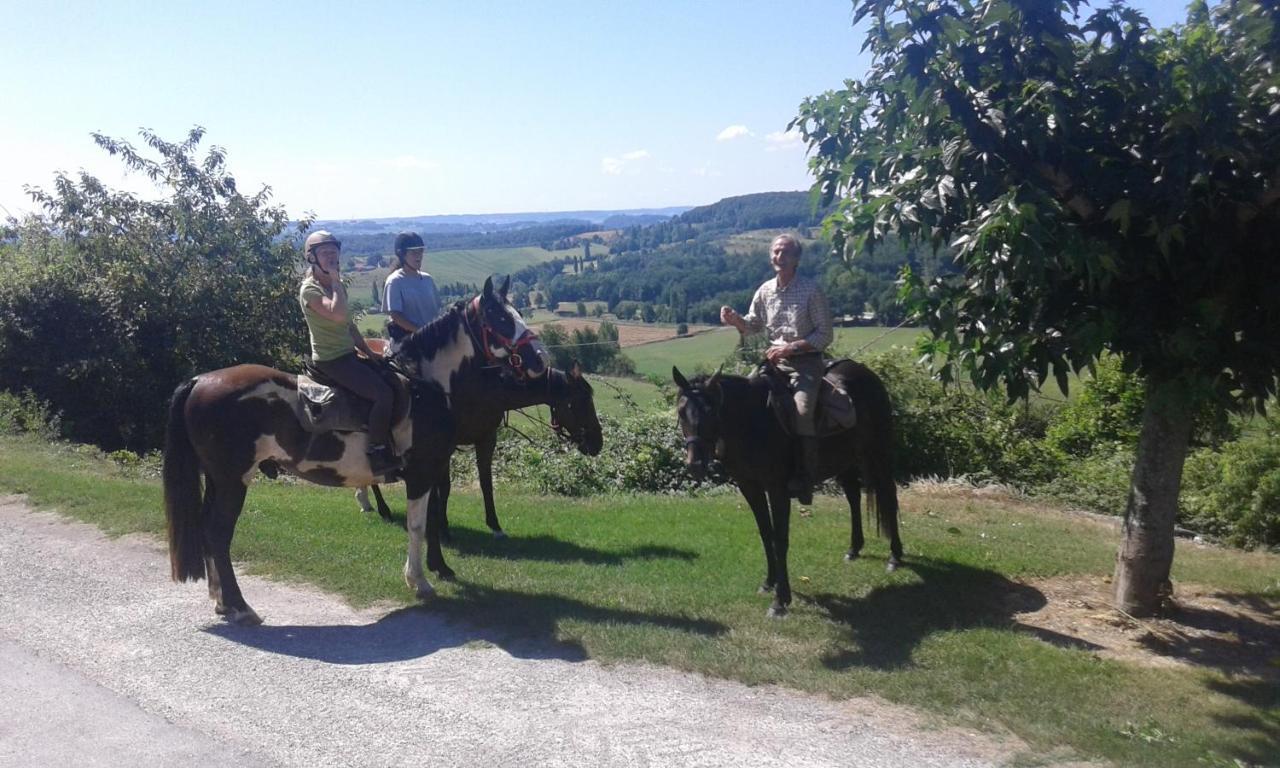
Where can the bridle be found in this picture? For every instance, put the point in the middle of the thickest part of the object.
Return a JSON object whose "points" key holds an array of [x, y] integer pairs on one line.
{"points": [[512, 346], [697, 441]]}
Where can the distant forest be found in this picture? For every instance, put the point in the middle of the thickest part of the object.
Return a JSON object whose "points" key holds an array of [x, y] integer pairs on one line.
{"points": [[684, 270]]}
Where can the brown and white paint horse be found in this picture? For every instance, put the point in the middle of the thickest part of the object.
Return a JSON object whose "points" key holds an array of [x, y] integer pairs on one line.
{"points": [[224, 425]]}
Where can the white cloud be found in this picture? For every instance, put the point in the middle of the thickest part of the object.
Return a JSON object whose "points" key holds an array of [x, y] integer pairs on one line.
{"points": [[614, 166], [784, 140], [733, 132]]}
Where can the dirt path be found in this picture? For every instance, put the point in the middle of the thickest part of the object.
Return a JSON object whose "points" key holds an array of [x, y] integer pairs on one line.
{"points": [[109, 663]]}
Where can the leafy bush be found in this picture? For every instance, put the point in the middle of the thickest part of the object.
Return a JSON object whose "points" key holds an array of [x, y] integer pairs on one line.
{"points": [[953, 431], [1234, 492], [642, 453], [1107, 410], [26, 414]]}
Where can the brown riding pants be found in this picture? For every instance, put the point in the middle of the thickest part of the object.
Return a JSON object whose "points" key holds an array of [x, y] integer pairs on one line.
{"points": [[359, 378]]}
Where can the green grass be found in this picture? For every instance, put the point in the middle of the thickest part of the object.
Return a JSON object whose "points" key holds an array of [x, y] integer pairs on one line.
{"points": [[672, 581], [705, 351]]}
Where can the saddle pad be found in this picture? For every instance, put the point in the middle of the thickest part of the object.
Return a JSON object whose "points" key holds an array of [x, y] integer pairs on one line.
{"points": [[321, 408]]}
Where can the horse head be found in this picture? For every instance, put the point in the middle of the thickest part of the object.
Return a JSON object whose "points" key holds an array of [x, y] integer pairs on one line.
{"points": [[574, 415], [502, 334], [698, 409]]}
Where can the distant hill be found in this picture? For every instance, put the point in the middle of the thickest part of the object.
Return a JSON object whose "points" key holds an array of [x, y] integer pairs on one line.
{"points": [[764, 210], [490, 222]]}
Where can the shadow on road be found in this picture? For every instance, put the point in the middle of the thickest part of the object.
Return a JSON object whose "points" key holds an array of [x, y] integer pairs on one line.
{"points": [[524, 625]]}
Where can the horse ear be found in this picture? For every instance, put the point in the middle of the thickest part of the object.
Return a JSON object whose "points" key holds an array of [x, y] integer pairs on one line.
{"points": [[679, 378], [503, 290], [713, 383], [576, 370], [488, 287]]}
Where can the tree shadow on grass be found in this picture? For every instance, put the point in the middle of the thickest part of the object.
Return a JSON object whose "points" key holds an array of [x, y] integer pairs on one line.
{"points": [[889, 623], [1258, 739], [524, 625]]}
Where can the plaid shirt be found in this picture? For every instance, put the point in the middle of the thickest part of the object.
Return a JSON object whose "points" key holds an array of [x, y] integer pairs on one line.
{"points": [[799, 311]]}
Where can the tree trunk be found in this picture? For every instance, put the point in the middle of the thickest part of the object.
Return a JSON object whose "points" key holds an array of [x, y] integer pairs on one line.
{"points": [[1146, 553]]}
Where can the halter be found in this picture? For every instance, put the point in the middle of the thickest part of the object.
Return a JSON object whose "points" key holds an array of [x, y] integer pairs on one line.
{"points": [[511, 345]]}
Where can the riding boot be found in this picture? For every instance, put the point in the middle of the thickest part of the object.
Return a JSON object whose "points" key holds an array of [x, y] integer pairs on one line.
{"points": [[806, 475], [382, 462]]}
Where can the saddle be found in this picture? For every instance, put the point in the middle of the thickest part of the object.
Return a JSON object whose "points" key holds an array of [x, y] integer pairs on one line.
{"points": [[835, 411], [324, 406]]}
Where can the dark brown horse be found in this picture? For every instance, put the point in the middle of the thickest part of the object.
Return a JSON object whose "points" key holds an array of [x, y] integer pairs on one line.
{"points": [[479, 413], [226, 424], [729, 417]]}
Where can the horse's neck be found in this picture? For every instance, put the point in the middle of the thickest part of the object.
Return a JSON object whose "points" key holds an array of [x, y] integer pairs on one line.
{"points": [[538, 393], [744, 414], [441, 350]]}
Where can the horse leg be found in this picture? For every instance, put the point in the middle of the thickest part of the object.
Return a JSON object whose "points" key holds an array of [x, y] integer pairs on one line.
{"points": [[759, 503], [852, 485], [435, 556], [383, 510], [224, 499], [887, 508], [416, 524], [484, 469], [362, 498], [780, 505], [440, 498]]}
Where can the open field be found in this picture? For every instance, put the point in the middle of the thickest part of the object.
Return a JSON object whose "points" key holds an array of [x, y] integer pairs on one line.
{"points": [[965, 631], [706, 351], [629, 334], [467, 266]]}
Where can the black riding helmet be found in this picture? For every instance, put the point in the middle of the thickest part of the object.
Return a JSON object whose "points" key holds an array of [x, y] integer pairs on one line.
{"points": [[405, 241]]}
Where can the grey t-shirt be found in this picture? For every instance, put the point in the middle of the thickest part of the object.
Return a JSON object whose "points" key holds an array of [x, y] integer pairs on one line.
{"points": [[413, 296]]}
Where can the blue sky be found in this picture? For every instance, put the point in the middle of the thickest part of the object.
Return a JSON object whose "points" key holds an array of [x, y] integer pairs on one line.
{"points": [[399, 109]]}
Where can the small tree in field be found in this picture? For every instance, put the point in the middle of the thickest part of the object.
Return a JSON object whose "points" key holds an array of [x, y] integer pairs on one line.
{"points": [[1103, 187]]}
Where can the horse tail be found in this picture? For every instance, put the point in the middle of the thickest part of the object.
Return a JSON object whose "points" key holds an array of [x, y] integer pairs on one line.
{"points": [[875, 419], [182, 504]]}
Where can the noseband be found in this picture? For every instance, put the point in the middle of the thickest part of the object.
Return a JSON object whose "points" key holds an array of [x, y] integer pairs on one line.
{"points": [[512, 346]]}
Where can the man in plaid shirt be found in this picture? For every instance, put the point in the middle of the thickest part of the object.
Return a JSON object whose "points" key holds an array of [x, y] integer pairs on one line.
{"points": [[793, 311]]}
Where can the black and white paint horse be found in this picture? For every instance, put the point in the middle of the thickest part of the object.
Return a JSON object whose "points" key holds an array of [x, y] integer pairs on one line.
{"points": [[224, 425]]}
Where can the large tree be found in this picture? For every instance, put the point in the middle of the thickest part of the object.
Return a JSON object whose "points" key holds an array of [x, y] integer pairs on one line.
{"points": [[1103, 187], [108, 299]]}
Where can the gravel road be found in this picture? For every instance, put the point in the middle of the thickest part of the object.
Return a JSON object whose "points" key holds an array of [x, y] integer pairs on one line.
{"points": [[106, 662]]}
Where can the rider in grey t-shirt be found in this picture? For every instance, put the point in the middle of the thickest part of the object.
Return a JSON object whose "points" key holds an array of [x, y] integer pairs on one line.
{"points": [[410, 298]]}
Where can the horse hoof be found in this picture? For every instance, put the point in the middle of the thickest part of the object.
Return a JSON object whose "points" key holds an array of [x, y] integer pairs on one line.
{"points": [[851, 555], [892, 566], [776, 611], [246, 618], [445, 574], [499, 534], [425, 591], [765, 589]]}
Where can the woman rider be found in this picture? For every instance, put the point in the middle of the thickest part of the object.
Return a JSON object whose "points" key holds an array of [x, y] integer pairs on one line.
{"points": [[335, 339]]}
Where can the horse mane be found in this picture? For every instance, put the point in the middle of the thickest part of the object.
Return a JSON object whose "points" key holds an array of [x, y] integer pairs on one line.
{"points": [[430, 338]]}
